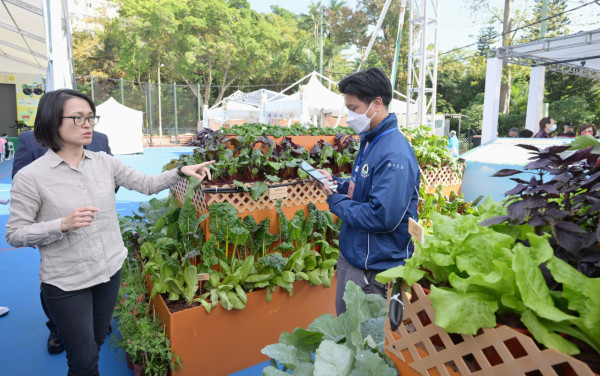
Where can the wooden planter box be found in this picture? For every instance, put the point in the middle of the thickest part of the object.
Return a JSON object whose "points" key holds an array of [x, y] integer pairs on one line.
{"points": [[445, 176], [419, 347], [223, 342], [297, 196]]}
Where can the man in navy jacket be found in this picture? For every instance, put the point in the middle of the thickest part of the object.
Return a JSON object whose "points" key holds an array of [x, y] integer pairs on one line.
{"points": [[376, 203], [28, 150]]}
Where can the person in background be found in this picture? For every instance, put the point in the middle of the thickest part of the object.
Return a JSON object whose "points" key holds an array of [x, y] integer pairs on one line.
{"points": [[567, 131], [452, 143], [513, 132], [28, 150], [525, 133], [4, 145], [547, 126], [376, 203], [64, 203], [589, 129]]}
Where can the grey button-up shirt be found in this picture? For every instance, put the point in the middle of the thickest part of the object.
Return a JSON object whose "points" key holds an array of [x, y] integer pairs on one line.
{"points": [[49, 189]]}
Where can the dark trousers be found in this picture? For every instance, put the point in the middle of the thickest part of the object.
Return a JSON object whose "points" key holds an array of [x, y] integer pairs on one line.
{"points": [[82, 318], [49, 323], [365, 279]]}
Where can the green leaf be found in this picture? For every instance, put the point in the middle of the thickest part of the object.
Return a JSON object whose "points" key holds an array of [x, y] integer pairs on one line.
{"points": [[366, 363], [373, 328], [463, 313], [583, 142], [533, 287], [222, 216], [332, 359], [258, 189], [272, 371], [283, 353], [407, 272], [545, 336], [241, 185]]}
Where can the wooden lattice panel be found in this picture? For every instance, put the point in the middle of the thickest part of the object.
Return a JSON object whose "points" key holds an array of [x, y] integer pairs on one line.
{"points": [[429, 349], [445, 176], [298, 195]]}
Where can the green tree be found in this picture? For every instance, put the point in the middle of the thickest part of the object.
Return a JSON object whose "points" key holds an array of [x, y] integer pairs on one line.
{"points": [[557, 25], [575, 110], [487, 37]]}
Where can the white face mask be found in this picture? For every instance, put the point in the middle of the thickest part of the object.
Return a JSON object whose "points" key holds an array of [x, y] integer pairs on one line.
{"points": [[360, 122]]}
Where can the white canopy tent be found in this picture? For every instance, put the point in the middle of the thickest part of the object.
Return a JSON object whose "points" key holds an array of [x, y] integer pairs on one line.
{"points": [[576, 54], [122, 125], [35, 38], [313, 99], [233, 110]]}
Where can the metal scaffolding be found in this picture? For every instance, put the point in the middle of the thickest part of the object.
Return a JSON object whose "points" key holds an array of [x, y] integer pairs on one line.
{"points": [[422, 62]]}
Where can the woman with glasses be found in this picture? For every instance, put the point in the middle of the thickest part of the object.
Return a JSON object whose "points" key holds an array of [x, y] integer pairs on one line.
{"points": [[589, 129], [64, 203]]}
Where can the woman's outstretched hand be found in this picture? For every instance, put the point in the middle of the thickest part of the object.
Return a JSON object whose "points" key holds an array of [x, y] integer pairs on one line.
{"points": [[199, 171]]}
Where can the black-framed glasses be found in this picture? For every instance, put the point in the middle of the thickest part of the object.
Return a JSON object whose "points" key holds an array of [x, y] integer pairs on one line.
{"points": [[80, 120]]}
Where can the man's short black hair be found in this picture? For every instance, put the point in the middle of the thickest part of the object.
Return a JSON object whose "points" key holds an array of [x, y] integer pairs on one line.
{"points": [[368, 85], [49, 116], [525, 133]]}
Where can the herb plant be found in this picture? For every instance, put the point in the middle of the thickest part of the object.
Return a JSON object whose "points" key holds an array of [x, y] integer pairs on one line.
{"points": [[561, 198]]}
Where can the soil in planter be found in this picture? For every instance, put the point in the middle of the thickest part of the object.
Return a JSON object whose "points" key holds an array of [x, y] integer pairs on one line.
{"points": [[178, 305]]}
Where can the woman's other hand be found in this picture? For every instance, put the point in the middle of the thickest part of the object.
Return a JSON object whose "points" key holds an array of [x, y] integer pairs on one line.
{"points": [[199, 171], [81, 217]]}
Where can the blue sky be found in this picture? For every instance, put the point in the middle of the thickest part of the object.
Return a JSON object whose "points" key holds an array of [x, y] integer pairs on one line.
{"points": [[456, 24]]}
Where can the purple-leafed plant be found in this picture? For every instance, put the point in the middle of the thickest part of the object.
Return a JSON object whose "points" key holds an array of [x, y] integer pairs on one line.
{"points": [[562, 198]]}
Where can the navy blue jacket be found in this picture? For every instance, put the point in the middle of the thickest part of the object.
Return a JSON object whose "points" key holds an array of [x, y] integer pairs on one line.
{"points": [[29, 149], [374, 234]]}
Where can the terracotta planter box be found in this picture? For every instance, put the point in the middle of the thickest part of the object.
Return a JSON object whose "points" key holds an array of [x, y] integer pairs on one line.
{"points": [[419, 347], [445, 176], [223, 342]]}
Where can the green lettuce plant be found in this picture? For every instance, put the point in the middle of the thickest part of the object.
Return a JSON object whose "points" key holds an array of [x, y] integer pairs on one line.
{"points": [[481, 273], [351, 344]]}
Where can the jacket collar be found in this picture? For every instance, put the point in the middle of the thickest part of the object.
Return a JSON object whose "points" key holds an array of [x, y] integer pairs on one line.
{"points": [[388, 123], [54, 160]]}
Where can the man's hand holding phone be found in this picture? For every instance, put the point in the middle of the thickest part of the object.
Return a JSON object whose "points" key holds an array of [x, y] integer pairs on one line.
{"points": [[320, 178]]}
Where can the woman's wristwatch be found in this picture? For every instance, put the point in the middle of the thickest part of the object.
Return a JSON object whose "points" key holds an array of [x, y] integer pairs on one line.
{"points": [[181, 173]]}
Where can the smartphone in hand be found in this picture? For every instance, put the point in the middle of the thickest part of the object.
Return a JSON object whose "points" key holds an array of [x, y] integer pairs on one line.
{"points": [[315, 174]]}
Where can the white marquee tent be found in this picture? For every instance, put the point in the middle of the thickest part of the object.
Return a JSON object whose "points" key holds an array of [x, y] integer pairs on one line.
{"points": [[122, 125], [233, 110]]}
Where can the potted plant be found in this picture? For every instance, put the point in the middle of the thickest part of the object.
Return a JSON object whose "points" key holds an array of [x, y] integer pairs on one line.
{"points": [[141, 334]]}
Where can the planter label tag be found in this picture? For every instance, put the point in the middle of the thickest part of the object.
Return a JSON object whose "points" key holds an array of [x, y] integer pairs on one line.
{"points": [[203, 277], [277, 193], [416, 230]]}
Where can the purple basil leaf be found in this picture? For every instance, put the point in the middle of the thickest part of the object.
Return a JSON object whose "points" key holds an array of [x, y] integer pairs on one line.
{"points": [[528, 147], [516, 190], [521, 181], [568, 240], [506, 172], [539, 163], [569, 226], [556, 149], [535, 202], [557, 213], [563, 177], [517, 211], [536, 221], [577, 156], [494, 220]]}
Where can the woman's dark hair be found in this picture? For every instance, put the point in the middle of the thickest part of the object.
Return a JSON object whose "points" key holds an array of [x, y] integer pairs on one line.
{"points": [[49, 116], [368, 85], [544, 121], [586, 126]]}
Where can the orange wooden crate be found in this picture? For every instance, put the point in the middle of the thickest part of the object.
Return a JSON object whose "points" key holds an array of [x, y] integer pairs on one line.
{"points": [[445, 176], [298, 197], [419, 347], [223, 342]]}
